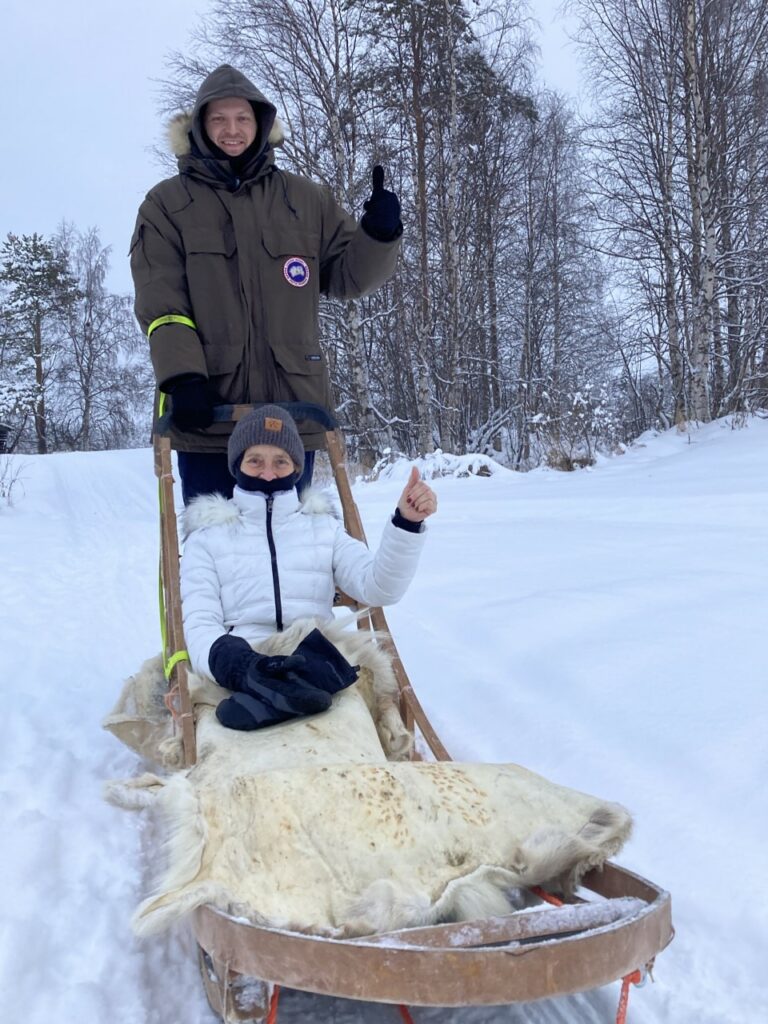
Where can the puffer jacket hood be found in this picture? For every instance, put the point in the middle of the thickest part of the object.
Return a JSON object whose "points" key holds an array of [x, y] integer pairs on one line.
{"points": [[188, 139]]}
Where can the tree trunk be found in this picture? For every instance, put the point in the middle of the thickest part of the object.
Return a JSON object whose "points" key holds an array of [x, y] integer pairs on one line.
{"points": [[449, 411], [368, 448], [703, 277], [423, 325], [670, 268], [37, 355]]}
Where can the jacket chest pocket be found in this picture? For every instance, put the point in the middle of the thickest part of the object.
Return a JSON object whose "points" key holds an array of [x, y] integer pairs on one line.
{"points": [[212, 241], [212, 274], [213, 281]]}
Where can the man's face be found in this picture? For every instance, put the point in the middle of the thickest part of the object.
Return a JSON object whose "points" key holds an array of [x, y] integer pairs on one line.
{"points": [[230, 124]]}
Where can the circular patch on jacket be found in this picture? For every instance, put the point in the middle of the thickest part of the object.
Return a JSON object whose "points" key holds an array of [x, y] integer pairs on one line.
{"points": [[296, 271]]}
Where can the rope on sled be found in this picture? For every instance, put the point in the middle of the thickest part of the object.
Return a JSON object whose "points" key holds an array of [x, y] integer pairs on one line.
{"points": [[272, 1013], [633, 978]]}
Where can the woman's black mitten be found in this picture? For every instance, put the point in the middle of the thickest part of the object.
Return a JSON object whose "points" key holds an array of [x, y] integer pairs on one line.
{"points": [[324, 665], [229, 660], [284, 688]]}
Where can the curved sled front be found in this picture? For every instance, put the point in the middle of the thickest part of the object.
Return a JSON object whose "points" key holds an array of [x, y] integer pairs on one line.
{"points": [[518, 958]]}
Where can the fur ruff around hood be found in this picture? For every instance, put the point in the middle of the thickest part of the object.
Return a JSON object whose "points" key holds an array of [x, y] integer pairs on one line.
{"points": [[225, 81], [180, 125], [216, 510]]}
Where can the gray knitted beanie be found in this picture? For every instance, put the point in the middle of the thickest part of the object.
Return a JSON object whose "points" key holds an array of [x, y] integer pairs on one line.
{"points": [[269, 424]]}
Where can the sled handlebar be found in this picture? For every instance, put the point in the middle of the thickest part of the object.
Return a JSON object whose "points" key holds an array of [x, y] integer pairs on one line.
{"points": [[232, 413]]}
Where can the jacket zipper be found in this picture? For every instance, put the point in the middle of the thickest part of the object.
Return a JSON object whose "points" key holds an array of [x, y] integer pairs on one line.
{"points": [[273, 557]]}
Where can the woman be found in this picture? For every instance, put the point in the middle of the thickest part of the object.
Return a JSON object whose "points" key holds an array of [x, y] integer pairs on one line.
{"points": [[261, 560]]}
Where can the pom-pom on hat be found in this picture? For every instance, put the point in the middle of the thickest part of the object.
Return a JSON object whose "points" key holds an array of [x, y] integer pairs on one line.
{"points": [[269, 424]]}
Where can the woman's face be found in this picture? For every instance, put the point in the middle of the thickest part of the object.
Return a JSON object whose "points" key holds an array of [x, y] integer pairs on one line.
{"points": [[266, 462]]}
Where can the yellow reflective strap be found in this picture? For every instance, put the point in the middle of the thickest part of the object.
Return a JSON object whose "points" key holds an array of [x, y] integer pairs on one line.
{"points": [[170, 318], [169, 664], [173, 661], [161, 596]]}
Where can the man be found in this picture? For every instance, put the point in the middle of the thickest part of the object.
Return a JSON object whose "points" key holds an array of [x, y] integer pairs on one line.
{"points": [[229, 258]]}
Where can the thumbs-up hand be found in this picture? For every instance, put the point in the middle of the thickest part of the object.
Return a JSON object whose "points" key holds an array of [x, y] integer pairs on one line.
{"points": [[418, 500], [377, 179], [381, 219]]}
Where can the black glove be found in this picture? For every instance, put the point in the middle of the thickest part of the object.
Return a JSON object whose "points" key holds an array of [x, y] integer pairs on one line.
{"points": [[381, 219], [191, 402], [246, 712], [229, 659], [324, 666], [278, 681], [268, 690], [236, 666]]}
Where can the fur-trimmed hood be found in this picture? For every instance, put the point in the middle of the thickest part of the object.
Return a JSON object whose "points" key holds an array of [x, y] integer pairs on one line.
{"points": [[225, 81], [216, 510], [179, 127]]}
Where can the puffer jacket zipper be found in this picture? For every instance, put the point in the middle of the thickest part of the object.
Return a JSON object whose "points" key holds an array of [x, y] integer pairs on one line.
{"points": [[275, 574]]}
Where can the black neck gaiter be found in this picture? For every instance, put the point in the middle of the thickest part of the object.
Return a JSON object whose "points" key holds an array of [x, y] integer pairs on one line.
{"points": [[276, 486], [241, 167]]}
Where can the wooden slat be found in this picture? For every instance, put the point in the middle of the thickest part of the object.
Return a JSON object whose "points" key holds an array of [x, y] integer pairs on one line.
{"points": [[169, 562], [410, 707], [612, 881], [352, 521], [513, 927]]}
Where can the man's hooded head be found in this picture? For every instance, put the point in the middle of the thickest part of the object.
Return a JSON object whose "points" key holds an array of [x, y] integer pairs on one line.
{"points": [[189, 140], [220, 114]]}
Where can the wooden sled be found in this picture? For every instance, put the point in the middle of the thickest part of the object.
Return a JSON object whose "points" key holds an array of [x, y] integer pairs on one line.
{"points": [[613, 930]]}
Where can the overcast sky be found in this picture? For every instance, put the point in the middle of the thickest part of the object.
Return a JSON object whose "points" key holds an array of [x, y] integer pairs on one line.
{"points": [[80, 109]]}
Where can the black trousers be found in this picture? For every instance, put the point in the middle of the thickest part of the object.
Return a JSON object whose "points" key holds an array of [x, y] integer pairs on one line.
{"points": [[208, 473]]}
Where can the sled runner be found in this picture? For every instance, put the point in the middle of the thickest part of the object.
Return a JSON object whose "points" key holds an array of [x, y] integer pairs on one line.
{"points": [[611, 929]]}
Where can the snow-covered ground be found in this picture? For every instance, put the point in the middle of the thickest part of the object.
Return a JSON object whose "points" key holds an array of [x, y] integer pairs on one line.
{"points": [[605, 628]]}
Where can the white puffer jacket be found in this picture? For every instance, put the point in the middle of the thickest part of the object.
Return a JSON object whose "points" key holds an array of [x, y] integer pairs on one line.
{"points": [[231, 582]]}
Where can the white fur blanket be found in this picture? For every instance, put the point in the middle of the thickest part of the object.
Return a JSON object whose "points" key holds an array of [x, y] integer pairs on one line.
{"points": [[315, 826], [364, 723]]}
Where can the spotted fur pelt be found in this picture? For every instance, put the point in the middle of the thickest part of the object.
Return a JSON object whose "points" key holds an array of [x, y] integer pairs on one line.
{"points": [[314, 825]]}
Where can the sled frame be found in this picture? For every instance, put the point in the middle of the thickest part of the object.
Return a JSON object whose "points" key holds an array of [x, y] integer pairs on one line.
{"points": [[517, 958], [618, 926], [178, 699]]}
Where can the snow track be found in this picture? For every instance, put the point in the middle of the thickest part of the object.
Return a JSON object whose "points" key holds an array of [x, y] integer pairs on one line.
{"points": [[604, 628]]}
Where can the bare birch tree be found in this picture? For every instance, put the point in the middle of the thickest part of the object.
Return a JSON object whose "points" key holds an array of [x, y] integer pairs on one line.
{"points": [[674, 135]]}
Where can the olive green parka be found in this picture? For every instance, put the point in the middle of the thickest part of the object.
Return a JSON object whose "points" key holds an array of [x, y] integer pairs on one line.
{"points": [[229, 261]]}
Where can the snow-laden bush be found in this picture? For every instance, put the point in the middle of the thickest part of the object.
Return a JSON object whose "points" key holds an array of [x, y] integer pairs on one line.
{"points": [[571, 437], [396, 466]]}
